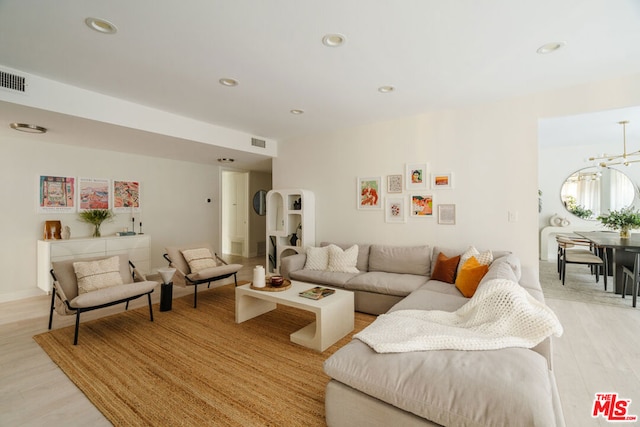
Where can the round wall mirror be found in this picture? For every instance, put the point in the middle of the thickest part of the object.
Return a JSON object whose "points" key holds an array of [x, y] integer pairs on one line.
{"points": [[593, 191], [260, 202]]}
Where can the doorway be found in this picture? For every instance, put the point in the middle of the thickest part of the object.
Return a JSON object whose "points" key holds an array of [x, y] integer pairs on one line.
{"points": [[234, 215]]}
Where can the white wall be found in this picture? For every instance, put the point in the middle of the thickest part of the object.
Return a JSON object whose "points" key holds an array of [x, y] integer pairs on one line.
{"points": [[174, 207], [492, 150]]}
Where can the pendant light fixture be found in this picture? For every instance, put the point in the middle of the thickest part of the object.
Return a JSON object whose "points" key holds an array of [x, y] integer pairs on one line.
{"points": [[620, 159]]}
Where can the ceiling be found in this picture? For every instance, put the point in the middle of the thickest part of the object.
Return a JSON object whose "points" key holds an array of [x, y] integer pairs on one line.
{"points": [[170, 55], [602, 127]]}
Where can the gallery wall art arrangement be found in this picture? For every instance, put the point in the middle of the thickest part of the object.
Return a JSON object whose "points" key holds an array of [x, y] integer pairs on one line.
{"points": [[418, 202], [64, 194]]}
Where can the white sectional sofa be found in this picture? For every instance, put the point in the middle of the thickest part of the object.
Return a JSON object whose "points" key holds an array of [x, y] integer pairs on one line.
{"points": [[505, 387]]}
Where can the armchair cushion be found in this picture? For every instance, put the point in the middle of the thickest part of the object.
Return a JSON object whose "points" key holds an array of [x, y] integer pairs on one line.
{"points": [[113, 293], [221, 270], [199, 259], [96, 275]]}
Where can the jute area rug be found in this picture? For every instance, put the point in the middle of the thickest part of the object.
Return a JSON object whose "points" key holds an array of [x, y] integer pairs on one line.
{"points": [[197, 367]]}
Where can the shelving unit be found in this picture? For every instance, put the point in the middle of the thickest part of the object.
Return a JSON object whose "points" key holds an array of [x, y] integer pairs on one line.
{"points": [[289, 212]]}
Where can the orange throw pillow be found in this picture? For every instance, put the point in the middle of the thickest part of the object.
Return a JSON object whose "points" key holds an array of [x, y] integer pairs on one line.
{"points": [[445, 268], [470, 276]]}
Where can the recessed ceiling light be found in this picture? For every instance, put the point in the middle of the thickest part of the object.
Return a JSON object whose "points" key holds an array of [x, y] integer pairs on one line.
{"points": [[333, 40], [296, 112], [226, 160], [386, 89], [101, 25], [550, 47], [228, 82], [25, 127]]}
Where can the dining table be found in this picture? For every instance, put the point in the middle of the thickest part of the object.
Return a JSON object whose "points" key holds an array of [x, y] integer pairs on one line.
{"points": [[623, 251]]}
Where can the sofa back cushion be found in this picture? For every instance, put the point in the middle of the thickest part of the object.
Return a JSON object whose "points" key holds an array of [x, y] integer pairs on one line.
{"points": [[400, 259], [506, 267], [362, 263]]}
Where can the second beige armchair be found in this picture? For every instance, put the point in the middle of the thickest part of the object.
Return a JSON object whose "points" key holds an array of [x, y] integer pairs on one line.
{"points": [[197, 264]]}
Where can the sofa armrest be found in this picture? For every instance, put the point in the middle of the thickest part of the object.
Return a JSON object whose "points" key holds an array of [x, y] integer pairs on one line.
{"points": [[292, 263]]}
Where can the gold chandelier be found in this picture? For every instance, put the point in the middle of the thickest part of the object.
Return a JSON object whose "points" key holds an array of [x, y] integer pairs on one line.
{"points": [[620, 159]]}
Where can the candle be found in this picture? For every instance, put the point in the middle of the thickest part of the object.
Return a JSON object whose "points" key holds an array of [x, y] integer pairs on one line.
{"points": [[258, 277]]}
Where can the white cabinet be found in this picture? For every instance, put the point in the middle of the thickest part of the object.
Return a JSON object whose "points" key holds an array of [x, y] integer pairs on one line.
{"points": [[57, 250], [289, 212]]}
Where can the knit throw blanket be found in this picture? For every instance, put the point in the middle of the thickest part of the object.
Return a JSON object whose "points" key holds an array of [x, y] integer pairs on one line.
{"points": [[501, 314]]}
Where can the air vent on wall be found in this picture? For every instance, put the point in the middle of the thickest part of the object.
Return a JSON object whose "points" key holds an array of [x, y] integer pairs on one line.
{"points": [[13, 82], [258, 142]]}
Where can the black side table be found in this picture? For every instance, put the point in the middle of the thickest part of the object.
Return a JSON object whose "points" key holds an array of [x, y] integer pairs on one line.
{"points": [[166, 288], [166, 296]]}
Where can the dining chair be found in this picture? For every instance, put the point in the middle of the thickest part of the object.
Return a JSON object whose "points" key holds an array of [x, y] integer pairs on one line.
{"points": [[595, 258], [633, 275], [567, 242]]}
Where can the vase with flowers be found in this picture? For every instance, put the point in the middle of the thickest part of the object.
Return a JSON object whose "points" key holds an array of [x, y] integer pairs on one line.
{"points": [[96, 217], [624, 220]]}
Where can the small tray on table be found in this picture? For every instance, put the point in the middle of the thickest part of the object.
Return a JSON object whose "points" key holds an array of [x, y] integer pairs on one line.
{"points": [[286, 284]]}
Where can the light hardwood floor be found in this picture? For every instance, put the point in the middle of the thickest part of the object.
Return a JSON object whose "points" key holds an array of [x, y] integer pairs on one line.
{"points": [[598, 352]]}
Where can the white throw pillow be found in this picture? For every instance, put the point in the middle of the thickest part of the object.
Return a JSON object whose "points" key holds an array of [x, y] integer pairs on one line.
{"points": [[317, 258], [199, 259], [484, 258], [343, 261], [96, 275]]}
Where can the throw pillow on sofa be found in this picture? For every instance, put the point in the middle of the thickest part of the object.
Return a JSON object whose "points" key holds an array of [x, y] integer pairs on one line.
{"points": [[317, 258], [96, 275], [470, 276], [343, 261], [483, 258], [445, 268]]}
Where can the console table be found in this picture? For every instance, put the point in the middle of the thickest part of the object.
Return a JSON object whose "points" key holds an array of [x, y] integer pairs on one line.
{"points": [[57, 250]]}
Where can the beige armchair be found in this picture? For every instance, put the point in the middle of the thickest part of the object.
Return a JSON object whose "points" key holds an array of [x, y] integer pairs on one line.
{"points": [[197, 264], [86, 284]]}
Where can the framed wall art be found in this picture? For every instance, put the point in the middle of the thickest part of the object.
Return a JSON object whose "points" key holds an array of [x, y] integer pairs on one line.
{"points": [[395, 210], [416, 176], [56, 194], [93, 193], [126, 196], [447, 214], [394, 183], [441, 180], [421, 205], [369, 193]]}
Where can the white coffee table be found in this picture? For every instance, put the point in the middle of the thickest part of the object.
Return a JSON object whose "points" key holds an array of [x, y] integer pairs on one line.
{"points": [[334, 313]]}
